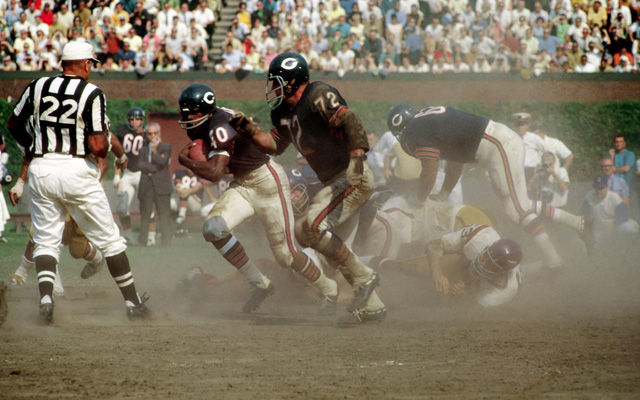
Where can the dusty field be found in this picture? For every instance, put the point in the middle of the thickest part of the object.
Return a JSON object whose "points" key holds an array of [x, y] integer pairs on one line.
{"points": [[573, 335]]}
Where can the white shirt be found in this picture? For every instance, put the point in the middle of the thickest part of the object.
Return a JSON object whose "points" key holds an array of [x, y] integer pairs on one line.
{"points": [[533, 149]]}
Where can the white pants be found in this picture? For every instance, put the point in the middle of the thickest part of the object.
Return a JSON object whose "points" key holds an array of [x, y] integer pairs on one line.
{"points": [[61, 184], [127, 190], [501, 152], [257, 193]]}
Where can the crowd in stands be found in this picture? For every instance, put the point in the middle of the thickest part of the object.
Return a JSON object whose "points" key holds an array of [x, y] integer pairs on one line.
{"points": [[365, 36]]}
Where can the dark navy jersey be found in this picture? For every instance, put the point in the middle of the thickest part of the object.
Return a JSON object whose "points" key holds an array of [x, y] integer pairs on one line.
{"points": [[313, 127], [132, 142], [187, 179], [244, 156], [443, 133]]}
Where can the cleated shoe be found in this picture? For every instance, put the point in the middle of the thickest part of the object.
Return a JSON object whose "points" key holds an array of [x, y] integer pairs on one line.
{"points": [[46, 314], [364, 292], [90, 269], [140, 312], [257, 297], [17, 280], [328, 305], [362, 317]]}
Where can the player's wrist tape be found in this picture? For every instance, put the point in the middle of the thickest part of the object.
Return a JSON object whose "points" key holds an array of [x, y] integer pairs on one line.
{"points": [[121, 159], [116, 179]]}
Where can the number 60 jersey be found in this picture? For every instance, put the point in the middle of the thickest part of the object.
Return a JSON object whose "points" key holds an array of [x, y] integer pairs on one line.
{"points": [[322, 128], [132, 142]]}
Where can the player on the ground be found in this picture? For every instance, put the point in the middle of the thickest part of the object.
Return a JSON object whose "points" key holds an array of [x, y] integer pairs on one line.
{"points": [[260, 188], [133, 139], [315, 117], [436, 133], [489, 267]]}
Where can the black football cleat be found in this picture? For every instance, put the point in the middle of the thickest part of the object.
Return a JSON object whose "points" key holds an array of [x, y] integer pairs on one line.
{"points": [[364, 292], [45, 316], [140, 312], [257, 297], [362, 317]]}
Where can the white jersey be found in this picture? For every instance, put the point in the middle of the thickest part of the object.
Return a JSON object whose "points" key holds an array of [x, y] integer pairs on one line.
{"points": [[471, 241], [534, 148], [559, 149]]}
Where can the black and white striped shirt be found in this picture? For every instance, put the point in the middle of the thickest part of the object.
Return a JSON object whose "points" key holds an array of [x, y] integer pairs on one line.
{"points": [[61, 112]]}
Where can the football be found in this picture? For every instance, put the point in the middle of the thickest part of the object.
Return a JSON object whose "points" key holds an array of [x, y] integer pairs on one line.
{"points": [[200, 151]]}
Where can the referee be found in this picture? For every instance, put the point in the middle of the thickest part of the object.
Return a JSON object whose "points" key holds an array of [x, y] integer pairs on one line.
{"points": [[61, 122]]}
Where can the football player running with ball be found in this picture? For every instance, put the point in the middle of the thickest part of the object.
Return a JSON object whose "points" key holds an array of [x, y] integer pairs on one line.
{"points": [[260, 188], [315, 117]]}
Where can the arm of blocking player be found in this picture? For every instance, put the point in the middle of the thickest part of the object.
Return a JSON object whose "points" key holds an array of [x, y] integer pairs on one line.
{"points": [[246, 127], [453, 171], [427, 177]]}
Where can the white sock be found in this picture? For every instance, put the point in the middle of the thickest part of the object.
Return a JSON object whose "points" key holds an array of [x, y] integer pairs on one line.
{"points": [[24, 268], [57, 283], [254, 276], [46, 300]]}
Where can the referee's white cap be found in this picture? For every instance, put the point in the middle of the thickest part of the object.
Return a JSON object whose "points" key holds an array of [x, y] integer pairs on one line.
{"points": [[78, 51]]}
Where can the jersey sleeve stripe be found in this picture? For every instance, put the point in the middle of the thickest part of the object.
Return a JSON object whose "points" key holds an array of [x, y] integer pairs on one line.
{"points": [[427, 153]]}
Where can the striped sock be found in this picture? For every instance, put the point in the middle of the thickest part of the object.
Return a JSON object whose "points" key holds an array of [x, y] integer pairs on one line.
{"points": [[46, 270], [121, 272]]}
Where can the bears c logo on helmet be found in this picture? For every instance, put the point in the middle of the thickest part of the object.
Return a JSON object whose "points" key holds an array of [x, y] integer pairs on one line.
{"points": [[209, 98], [396, 120], [289, 63]]}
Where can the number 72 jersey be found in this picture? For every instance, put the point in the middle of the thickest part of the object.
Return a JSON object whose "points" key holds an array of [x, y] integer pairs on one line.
{"points": [[315, 127]]}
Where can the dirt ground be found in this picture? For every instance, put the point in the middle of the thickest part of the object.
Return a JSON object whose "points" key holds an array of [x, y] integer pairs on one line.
{"points": [[574, 334]]}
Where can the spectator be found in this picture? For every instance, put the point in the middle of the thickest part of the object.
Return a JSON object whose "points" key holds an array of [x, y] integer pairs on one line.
{"points": [[335, 12], [549, 184], [547, 42], [165, 65], [142, 19], [533, 145], [615, 183], [261, 14], [8, 64], [243, 15], [125, 53], [165, 16], [624, 66], [623, 159], [459, 66], [65, 17], [329, 62], [155, 186], [481, 65], [204, 17], [134, 40], [610, 214], [584, 65], [109, 65], [199, 49], [119, 16]]}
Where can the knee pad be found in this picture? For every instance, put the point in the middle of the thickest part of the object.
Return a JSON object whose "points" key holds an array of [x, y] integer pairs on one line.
{"points": [[122, 204], [215, 229], [78, 246]]}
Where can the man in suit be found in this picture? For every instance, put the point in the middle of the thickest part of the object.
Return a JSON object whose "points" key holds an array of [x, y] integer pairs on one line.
{"points": [[155, 185]]}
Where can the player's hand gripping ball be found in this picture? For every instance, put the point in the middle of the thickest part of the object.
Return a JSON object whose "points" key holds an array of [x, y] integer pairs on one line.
{"points": [[198, 150]]}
